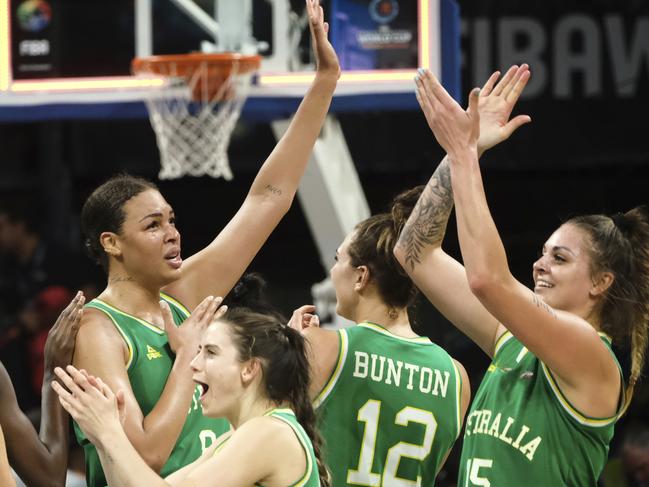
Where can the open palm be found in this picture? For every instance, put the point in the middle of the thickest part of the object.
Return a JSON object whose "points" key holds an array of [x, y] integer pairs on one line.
{"points": [[496, 103]]}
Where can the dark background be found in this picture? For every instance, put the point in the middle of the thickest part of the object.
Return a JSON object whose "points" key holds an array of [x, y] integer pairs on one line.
{"points": [[586, 150]]}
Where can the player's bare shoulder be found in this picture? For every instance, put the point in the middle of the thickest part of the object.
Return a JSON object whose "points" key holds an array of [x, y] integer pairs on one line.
{"points": [[96, 332]]}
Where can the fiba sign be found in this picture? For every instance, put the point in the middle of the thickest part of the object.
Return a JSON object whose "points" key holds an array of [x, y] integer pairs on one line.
{"points": [[33, 39]]}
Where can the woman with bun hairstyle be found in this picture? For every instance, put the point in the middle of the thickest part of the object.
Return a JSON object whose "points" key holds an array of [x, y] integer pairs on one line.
{"points": [[253, 371], [130, 339], [391, 403], [545, 411]]}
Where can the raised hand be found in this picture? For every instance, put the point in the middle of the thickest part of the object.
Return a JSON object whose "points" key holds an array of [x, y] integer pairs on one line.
{"points": [[325, 56], [304, 317], [496, 103], [59, 346], [187, 336], [94, 407], [454, 128]]}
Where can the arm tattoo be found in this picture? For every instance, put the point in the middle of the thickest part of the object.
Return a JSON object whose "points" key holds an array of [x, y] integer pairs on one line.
{"points": [[542, 305], [427, 224], [273, 189]]}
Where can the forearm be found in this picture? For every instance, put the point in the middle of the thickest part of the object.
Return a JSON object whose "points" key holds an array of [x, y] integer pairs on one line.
{"points": [[122, 464], [54, 431], [5, 472], [162, 426], [426, 227], [482, 249], [281, 173]]}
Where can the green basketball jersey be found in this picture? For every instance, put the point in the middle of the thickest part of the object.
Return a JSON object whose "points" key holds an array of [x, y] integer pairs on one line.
{"points": [[390, 411], [522, 430], [311, 477], [149, 364]]}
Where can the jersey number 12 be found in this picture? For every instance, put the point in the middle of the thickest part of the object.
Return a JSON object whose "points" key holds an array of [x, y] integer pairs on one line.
{"points": [[369, 414]]}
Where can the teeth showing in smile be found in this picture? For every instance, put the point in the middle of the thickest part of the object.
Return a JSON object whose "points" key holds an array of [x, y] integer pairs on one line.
{"points": [[540, 283]]}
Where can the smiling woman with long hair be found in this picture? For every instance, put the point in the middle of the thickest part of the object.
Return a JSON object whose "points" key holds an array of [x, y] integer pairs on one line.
{"points": [[545, 411]]}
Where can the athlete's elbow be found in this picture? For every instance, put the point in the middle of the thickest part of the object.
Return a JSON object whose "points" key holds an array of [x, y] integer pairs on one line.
{"points": [[155, 461], [481, 284], [485, 285]]}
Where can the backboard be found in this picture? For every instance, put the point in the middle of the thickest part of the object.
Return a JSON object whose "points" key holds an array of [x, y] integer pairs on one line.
{"points": [[62, 59]]}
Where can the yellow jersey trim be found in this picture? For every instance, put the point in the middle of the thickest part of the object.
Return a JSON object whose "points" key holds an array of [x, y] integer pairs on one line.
{"points": [[570, 409], [502, 340], [335, 375], [178, 304], [458, 399], [219, 447], [142, 322], [309, 462]]}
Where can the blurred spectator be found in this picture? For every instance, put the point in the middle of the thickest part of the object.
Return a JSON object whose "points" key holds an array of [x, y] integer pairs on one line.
{"points": [[37, 320], [635, 455], [29, 264]]}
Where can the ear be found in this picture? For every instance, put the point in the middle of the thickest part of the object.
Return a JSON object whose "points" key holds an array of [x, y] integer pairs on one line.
{"points": [[601, 283], [250, 370], [362, 278], [110, 242]]}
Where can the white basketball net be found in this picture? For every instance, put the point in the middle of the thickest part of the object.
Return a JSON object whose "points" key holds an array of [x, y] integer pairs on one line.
{"points": [[193, 132]]}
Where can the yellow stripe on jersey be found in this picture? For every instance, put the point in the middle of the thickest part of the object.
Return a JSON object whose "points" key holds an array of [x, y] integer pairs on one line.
{"points": [[570, 409], [458, 399], [146, 324], [178, 304], [380, 329], [309, 462], [335, 375], [502, 340], [220, 446], [119, 329]]}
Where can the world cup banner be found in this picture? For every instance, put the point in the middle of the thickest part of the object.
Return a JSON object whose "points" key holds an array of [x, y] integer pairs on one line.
{"points": [[376, 34]]}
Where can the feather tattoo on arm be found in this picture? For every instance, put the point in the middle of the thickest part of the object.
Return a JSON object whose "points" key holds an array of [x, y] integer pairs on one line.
{"points": [[427, 223]]}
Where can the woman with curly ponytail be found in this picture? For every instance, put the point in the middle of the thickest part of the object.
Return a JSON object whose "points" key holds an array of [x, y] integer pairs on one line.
{"points": [[619, 245], [547, 406]]}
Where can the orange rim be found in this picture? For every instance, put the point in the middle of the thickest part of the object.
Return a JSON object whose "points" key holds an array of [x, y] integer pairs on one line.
{"points": [[185, 65]]}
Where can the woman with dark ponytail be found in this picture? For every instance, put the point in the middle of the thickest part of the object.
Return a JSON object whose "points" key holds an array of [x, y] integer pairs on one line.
{"points": [[547, 406], [391, 402], [253, 371]]}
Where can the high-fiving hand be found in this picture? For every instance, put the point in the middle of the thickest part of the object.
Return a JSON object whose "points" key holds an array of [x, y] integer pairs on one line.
{"points": [[486, 121], [325, 56]]}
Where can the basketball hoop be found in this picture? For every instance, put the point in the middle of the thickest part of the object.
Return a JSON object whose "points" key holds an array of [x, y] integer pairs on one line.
{"points": [[195, 112]]}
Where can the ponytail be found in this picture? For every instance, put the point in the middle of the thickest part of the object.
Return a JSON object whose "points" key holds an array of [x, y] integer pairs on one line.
{"points": [[620, 245], [286, 370]]}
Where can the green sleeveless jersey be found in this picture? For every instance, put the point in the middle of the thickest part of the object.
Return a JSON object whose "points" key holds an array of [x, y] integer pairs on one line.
{"points": [[311, 477], [390, 411], [149, 364], [522, 430]]}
